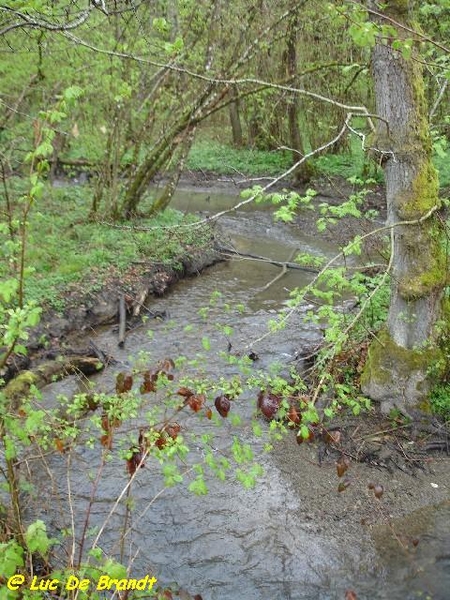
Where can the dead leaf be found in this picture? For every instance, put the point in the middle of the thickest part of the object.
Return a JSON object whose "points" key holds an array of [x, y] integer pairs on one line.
{"points": [[293, 416], [195, 402], [343, 485], [342, 465], [124, 383], [185, 392], [223, 405]]}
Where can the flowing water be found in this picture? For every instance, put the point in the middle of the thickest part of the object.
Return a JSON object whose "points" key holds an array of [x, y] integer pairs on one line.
{"points": [[236, 543]]}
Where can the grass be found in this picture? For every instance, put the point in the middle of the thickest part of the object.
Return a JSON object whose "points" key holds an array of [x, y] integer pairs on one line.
{"points": [[223, 159], [66, 250], [208, 155], [212, 155], [440, 400]]}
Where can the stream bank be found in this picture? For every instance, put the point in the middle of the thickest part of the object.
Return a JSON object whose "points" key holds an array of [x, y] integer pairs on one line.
{"points": [[294, 536]]}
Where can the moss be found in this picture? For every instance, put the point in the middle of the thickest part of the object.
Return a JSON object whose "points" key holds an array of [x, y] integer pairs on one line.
{"points": [[19, 388], [422, 195], [388, 365], [397, 9], [427, 273]]}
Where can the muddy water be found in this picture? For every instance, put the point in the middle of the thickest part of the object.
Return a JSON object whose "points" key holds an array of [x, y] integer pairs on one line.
{"points": [[235, 543]]}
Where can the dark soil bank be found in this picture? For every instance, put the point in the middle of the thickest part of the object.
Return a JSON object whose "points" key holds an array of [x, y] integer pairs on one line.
{"points": [[87, 310]]}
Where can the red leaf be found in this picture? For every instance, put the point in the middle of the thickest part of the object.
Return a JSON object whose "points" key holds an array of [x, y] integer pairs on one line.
{"points": [[196, 402], [223, 405], [293, 416], [350, 595], [60, 446], [268, 404], [342, 465], [161, 441], [185, 392], [124, 383], [134, 462], [166, 365], [173, 429], [149, 383], [106, 441], [208, 413]]}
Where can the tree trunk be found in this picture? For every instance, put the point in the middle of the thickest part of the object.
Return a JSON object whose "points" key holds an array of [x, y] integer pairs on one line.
{"points": [[305, 171], [399, 362], [235, 120], [156, 159], [163, 201]]}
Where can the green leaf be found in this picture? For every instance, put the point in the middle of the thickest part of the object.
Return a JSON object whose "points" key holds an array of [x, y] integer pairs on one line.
{"points": [[198, 487], [114, 569], [11, 558], [36, 537], [257, 429], [73, 92]]}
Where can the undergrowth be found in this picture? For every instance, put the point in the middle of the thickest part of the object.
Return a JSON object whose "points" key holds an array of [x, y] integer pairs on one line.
{"points": [[65, 248]]}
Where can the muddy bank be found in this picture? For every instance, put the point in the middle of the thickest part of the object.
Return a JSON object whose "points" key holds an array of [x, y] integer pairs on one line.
{"points": [[295, 535], [333, 190], [88, 308]]}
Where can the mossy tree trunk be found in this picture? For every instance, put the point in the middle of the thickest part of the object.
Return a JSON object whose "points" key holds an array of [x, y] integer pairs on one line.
{"points": [[399, 362]]}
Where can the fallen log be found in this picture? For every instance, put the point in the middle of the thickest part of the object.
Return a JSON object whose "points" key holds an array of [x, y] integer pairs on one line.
{"points": [[283, 271], [277, 263], [48, 372]]}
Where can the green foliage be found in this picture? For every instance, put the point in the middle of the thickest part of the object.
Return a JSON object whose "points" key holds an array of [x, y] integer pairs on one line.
{"points": [[440, 400], [37, 539], [11, 558], [223, 159], [55, 238], [114, 111]]}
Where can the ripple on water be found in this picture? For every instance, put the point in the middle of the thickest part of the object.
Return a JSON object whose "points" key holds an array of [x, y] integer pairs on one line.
{"points": [[233, 543]]}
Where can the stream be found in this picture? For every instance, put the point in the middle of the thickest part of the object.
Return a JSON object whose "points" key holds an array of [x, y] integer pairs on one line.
{"points": [[236, 543]]}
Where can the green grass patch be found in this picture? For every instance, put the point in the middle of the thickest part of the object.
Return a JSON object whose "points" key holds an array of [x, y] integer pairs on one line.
{"points": [[211, 155], [440, 400], [65, 250], [207, 155]]}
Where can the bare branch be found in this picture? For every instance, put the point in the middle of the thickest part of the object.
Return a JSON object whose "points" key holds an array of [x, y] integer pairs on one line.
{"points": [[27, 21]]}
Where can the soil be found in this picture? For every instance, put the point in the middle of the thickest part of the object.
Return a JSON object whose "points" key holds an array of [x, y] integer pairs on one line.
{"points": [[87, 310], [379, 471]]}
